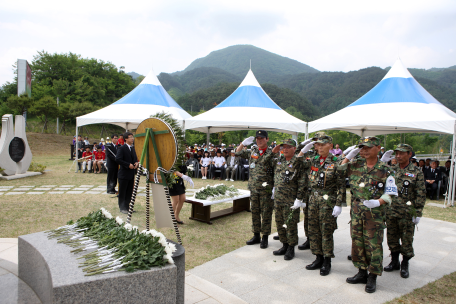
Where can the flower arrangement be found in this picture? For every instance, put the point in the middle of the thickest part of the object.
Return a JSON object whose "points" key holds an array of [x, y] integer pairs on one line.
{"points": [[113, 245], [267, 187], [190, 170], [216, 192]]}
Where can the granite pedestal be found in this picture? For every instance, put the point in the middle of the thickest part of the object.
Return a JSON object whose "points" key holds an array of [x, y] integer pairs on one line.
{"points": [[53, 272]]}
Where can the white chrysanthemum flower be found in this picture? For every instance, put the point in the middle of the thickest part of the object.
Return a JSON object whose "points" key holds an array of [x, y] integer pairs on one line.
{"points": [[361, 185], [128, 227], [168, 258], [284, 226], [119, 220], [409, 203], [135, 227], [144, 232], [172, 247], [153, 232], [264, 184], [325, 197], [163, 242], [168, 250]]}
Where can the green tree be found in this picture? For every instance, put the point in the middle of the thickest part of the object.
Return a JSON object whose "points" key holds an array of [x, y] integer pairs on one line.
{"points": [[19, 104], [45, 108]]}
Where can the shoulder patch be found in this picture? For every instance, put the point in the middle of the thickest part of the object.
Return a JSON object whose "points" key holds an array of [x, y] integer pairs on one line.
{"points": [[317, 157], [334, 158]]}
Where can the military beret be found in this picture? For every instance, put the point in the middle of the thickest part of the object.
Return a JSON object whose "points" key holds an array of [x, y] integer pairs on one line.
{"points": [[290, 142], [369, 141], [404, 148]]}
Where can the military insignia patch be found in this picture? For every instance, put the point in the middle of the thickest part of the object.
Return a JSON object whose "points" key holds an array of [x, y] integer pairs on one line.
{"points": [[279, 163], [314, 168], [290, 165], [329, 166], [409, 174]]}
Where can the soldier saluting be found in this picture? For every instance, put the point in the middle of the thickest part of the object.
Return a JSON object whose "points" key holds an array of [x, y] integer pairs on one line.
{"points": [[260, 199], [406, 209], [368, 179], [327, 192]]}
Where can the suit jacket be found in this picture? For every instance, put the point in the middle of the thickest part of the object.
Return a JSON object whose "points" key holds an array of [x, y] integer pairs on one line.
{"points": [[445, 170], [111, 153], [428, 175], [124, 158], [236, 160]]}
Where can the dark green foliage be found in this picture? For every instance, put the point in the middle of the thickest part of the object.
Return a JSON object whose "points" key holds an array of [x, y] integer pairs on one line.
{"points": [[45, 108], [265, 65], [18, 104]]}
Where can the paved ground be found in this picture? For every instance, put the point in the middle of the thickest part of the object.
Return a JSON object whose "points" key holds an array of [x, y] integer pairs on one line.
{"points": [[54, 189], [257, 276]]}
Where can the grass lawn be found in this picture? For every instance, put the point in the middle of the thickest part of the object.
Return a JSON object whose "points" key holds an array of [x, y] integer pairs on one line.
{"points": [[24, 214]]}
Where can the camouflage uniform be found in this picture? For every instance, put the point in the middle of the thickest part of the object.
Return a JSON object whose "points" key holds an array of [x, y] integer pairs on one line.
{"points": [[411, 188], [324, 180], [289, 185], [260, 198], [367, 224]]}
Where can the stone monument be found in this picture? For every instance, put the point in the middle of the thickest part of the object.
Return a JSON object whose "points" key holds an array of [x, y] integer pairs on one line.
{"points": [[15, 154]]}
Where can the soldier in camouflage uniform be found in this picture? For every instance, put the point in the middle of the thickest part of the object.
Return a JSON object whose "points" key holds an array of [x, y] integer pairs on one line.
{"points": [[260, 198], [400, 218], [289, 192], [367, 178], [327, 192]]}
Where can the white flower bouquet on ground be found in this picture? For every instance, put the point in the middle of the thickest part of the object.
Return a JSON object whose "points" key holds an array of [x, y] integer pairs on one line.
{"points": [[216, 192]]}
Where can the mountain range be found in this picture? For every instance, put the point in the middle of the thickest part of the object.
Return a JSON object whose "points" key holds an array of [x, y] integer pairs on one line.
{"points": [[296, 87]]}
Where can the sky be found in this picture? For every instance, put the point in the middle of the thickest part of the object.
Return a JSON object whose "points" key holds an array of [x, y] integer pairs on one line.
{"points": [[168, 35]]}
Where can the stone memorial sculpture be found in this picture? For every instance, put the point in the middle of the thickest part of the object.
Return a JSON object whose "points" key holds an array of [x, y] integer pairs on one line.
{"points": [[15, 154]]}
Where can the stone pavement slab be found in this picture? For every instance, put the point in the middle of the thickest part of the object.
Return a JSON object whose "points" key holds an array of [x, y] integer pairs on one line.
{"points": [[75, 192], [38, 192], [56, 192], [257, 276], [14, 193]]}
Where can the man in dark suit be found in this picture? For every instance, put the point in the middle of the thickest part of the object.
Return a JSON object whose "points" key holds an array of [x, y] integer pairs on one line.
{"points": [[111, 164], [244, 163], [432, 177], [128, 161], [446, 172]]}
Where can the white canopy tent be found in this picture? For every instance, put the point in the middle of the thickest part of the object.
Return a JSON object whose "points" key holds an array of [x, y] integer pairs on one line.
{"points": [[249, 107], [397, 104], [147, 99]]}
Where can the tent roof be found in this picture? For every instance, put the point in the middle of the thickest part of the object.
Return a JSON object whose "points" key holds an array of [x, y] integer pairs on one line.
{"points": [[249, 107], [147, 99], [397, 104]]}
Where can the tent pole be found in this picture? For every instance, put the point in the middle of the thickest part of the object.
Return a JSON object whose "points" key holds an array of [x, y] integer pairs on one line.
{"points": [[207, 138], [76, 145], [307, 131], [450, 192]]}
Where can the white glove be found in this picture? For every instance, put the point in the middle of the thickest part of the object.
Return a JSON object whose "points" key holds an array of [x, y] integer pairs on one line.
{"points": [[235, 167], [352, 153], [273, 190], [246, 166], [349, 149], [248, 141], [303, 205], [297, 204], [416, 220], [308, 147], [188, 179], [306, 141], [387, 156], [337, 211], [372, 203]]}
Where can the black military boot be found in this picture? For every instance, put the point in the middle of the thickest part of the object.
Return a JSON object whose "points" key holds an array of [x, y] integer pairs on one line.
{"points": [[326, 268], [255, 240], [282, 250], [349, 257], [276, 237], [394, 265], [316, 264], [305, 245], [290, 253], [371, 285], [404, 267], [359, 278], [264, 241]]}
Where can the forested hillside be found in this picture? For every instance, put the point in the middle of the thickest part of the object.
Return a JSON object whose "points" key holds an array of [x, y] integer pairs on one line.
{"points": [[236, 60]]}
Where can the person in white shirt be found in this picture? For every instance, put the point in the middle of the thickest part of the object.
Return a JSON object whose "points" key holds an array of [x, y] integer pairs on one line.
{"points": [[218, 163], [205, 162], [232, 163]]}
